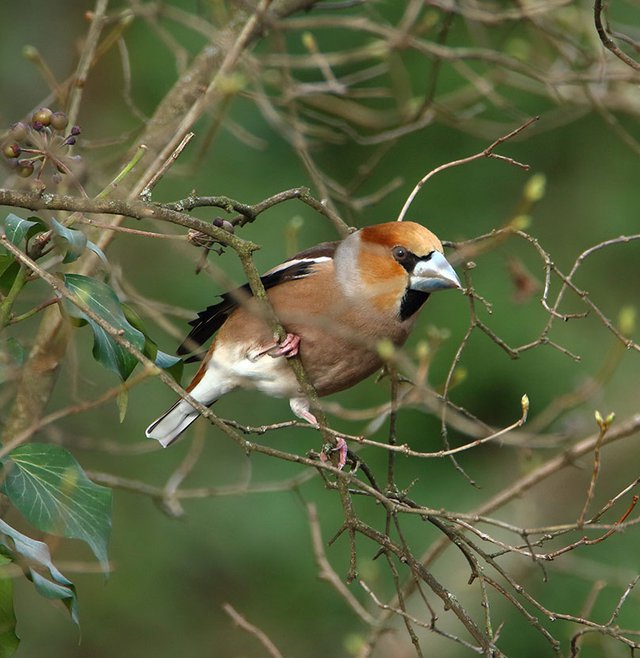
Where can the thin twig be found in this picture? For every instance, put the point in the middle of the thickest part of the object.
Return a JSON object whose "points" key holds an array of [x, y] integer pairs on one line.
{"points": [[607, 42], [260, 635], [487, 153], [326, 570]]}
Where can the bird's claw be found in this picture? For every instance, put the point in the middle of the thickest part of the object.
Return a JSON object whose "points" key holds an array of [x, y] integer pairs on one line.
{"points": [[340, 447], [287, 348]]}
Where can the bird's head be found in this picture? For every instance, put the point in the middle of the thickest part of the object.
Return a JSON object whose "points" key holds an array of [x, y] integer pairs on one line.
{"points": [[395, 266]]}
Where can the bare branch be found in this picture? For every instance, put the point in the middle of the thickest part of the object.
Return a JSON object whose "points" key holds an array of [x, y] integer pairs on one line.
{"points": [[487, 153], [260, 635]]}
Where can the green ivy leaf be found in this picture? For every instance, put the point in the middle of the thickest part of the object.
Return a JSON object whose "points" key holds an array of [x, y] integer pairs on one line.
{"points": [[92, 246], [73, 242], [101, 299], [6, 261], [16, 228], [9, 269], [39, 568], [9, 641], [173, 364], [49, 487]]}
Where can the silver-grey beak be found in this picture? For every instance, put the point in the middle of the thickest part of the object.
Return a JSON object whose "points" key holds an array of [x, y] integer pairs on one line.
{"points": [[433, 274]]}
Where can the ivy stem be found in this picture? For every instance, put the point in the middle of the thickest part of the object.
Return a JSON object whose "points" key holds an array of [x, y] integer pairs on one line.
{"points": [[30, 313], [12, 295]]}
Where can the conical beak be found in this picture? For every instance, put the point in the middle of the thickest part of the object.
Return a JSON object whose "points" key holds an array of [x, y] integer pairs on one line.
{"points": [[434, 273]]}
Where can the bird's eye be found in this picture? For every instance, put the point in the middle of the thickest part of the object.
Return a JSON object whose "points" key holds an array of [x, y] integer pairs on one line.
{"points": [[399, 253]]}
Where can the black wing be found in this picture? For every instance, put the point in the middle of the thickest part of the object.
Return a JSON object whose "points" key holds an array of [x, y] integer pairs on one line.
{"points": [[213, 317]]}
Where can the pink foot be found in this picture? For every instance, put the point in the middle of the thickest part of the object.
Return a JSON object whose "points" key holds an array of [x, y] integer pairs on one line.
{"points": [[287, 348], [341, 448]]}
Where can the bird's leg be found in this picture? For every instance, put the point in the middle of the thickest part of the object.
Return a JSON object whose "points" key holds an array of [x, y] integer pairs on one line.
{"points": [[287, 348], [300, 408], [340, 447]]}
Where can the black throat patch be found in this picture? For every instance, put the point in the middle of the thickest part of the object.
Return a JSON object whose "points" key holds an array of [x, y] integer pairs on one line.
{"points": [[411, 303]]}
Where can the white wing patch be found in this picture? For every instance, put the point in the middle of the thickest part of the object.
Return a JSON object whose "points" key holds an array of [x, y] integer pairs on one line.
{"points": [[297, 261]]}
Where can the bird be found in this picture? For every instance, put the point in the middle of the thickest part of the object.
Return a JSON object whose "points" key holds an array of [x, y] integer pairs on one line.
{"points": [[336, 302]]}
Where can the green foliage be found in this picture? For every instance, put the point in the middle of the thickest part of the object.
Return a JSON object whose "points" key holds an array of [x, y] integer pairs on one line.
{"points": [[74, 242], [49, 487], [9, 641], [101, 299], [16, 228], [163, 360], [35, 559], [8, 270]]}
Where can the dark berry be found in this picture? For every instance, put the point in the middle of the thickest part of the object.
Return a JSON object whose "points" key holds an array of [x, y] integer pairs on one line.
{"points": [[75, 130]]}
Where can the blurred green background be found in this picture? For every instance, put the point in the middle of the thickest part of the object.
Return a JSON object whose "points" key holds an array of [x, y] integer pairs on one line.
{"points": [[171, 577]]}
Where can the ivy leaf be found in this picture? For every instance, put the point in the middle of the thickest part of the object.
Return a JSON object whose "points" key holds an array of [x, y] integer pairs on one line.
{"points": [[9, 269], [101, 299], [97, 251], [39, 568], [173, 364], [9, 641], [76, 241], [73, 242], [6, 261], [49, 487], [16, 228]]}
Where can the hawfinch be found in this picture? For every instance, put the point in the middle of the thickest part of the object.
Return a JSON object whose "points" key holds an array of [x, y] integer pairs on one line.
{"points": [[336, 301]]}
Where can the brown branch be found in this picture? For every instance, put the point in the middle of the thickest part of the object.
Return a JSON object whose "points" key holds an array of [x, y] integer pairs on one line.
{"points": [[133, 208], [260, 635], [607, 42], [486, 153], [327, 572]]}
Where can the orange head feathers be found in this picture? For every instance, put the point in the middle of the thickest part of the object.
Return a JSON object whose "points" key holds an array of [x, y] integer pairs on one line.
{"points": [[387, 262]]}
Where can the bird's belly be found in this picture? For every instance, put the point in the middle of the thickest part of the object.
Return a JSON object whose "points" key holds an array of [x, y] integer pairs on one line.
{"points": [[332, 373], [272, 376]]}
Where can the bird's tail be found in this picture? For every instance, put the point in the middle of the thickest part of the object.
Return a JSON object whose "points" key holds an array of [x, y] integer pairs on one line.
{"points": [[172, 423]]}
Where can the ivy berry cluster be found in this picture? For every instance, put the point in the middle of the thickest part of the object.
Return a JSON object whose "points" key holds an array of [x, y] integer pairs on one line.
{"points": [[30, 147]]}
